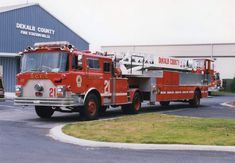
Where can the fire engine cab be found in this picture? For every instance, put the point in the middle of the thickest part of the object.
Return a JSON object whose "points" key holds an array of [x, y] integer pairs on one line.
{"points": [[55, 76], [215, 85]]}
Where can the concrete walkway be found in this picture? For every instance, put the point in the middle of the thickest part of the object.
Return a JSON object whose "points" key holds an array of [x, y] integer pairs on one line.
{"points": [[57, 134], [229, 105]]}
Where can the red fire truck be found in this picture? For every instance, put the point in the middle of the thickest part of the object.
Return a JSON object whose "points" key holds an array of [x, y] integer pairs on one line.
{"points": [[55, 76], [214, 82]]}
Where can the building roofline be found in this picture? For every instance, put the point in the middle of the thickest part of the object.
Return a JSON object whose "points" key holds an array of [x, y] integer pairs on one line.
{"points": [[20, 6], [62, 23], [15, 7], [200, 44]]}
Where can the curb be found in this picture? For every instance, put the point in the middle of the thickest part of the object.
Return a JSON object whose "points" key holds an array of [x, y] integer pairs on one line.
{"points": [[57, 134]]}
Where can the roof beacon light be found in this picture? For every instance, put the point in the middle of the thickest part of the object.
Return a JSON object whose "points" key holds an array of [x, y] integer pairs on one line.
{"points": [[52, 44]]}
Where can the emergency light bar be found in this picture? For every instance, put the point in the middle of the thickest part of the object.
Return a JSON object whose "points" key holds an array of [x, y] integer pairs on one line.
{"points": [[51, 44]]}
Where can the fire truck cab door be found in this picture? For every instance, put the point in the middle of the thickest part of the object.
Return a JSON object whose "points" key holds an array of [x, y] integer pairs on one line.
{"points": [[207, 71], [94, 74]]}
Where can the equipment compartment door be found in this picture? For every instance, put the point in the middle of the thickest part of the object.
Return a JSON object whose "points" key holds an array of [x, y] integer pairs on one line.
{"points": [[107, 89]]}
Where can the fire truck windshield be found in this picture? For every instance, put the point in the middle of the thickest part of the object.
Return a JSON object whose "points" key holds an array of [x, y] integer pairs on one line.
{"points": [[45, 62]]}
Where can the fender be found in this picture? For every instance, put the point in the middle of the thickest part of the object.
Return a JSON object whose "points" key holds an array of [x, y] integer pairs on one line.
{"points": [[132, 93], [89, 90]]}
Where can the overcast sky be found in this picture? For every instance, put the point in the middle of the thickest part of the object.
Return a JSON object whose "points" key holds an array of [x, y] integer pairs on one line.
{"points": [[115, 22]]}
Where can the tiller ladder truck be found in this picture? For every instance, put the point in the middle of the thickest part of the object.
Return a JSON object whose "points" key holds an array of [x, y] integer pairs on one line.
{"points": [[55, 76]]}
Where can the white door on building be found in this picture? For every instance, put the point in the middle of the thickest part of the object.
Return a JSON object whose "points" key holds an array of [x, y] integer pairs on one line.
{"points": [[1, 70]]}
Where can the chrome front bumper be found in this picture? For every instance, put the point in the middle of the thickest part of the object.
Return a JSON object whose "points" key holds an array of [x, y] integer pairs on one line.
{"points": [[60, 102]]}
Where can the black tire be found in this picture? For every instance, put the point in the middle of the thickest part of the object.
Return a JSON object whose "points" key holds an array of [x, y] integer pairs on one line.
{"points": [[195, 102], [209, 93], [91, 107], [134, 107], [164, 103], [44, 112]]}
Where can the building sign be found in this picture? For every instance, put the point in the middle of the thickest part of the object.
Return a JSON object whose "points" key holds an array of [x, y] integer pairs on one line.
{"points": [[35, 31]]}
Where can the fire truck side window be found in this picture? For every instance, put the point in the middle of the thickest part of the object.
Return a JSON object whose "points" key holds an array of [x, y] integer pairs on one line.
{"points": [[75, 62], [106, 67], [93, 63]]}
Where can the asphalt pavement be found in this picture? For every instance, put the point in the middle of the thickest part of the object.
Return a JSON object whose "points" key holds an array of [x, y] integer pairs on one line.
{"points": [[23, 137], [210, 108]]}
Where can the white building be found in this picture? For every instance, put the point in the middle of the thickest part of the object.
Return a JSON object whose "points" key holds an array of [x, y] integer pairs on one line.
{"points": [[223, 53]]}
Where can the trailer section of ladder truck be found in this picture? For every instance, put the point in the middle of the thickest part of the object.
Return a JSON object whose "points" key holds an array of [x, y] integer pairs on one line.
{"points": [[55, 76], [214, 84]]}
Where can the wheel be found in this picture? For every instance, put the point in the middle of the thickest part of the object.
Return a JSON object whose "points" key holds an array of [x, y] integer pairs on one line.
{"points": [[44, 111], [134, 107], [209, 93], [164, 103], [91, 107], [195, 102]]}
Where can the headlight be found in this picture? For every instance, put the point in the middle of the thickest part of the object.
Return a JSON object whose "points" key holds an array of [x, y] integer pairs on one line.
{"points": [[60, 91], [18, 91]]}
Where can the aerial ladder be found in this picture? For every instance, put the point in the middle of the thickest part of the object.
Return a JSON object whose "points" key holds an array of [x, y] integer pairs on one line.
{"points": [[132, 64]]}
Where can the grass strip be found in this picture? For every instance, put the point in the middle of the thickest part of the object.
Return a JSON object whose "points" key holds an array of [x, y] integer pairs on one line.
{"points": [[157, 129]]}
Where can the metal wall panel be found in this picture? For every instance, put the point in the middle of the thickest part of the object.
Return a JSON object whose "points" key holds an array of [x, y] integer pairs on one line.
{"points": [[12, 41], [224, 53], [10, 69], [184, 50]]}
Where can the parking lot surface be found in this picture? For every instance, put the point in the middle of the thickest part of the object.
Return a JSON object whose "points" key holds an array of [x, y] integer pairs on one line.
{"points": [[23, 137]]}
